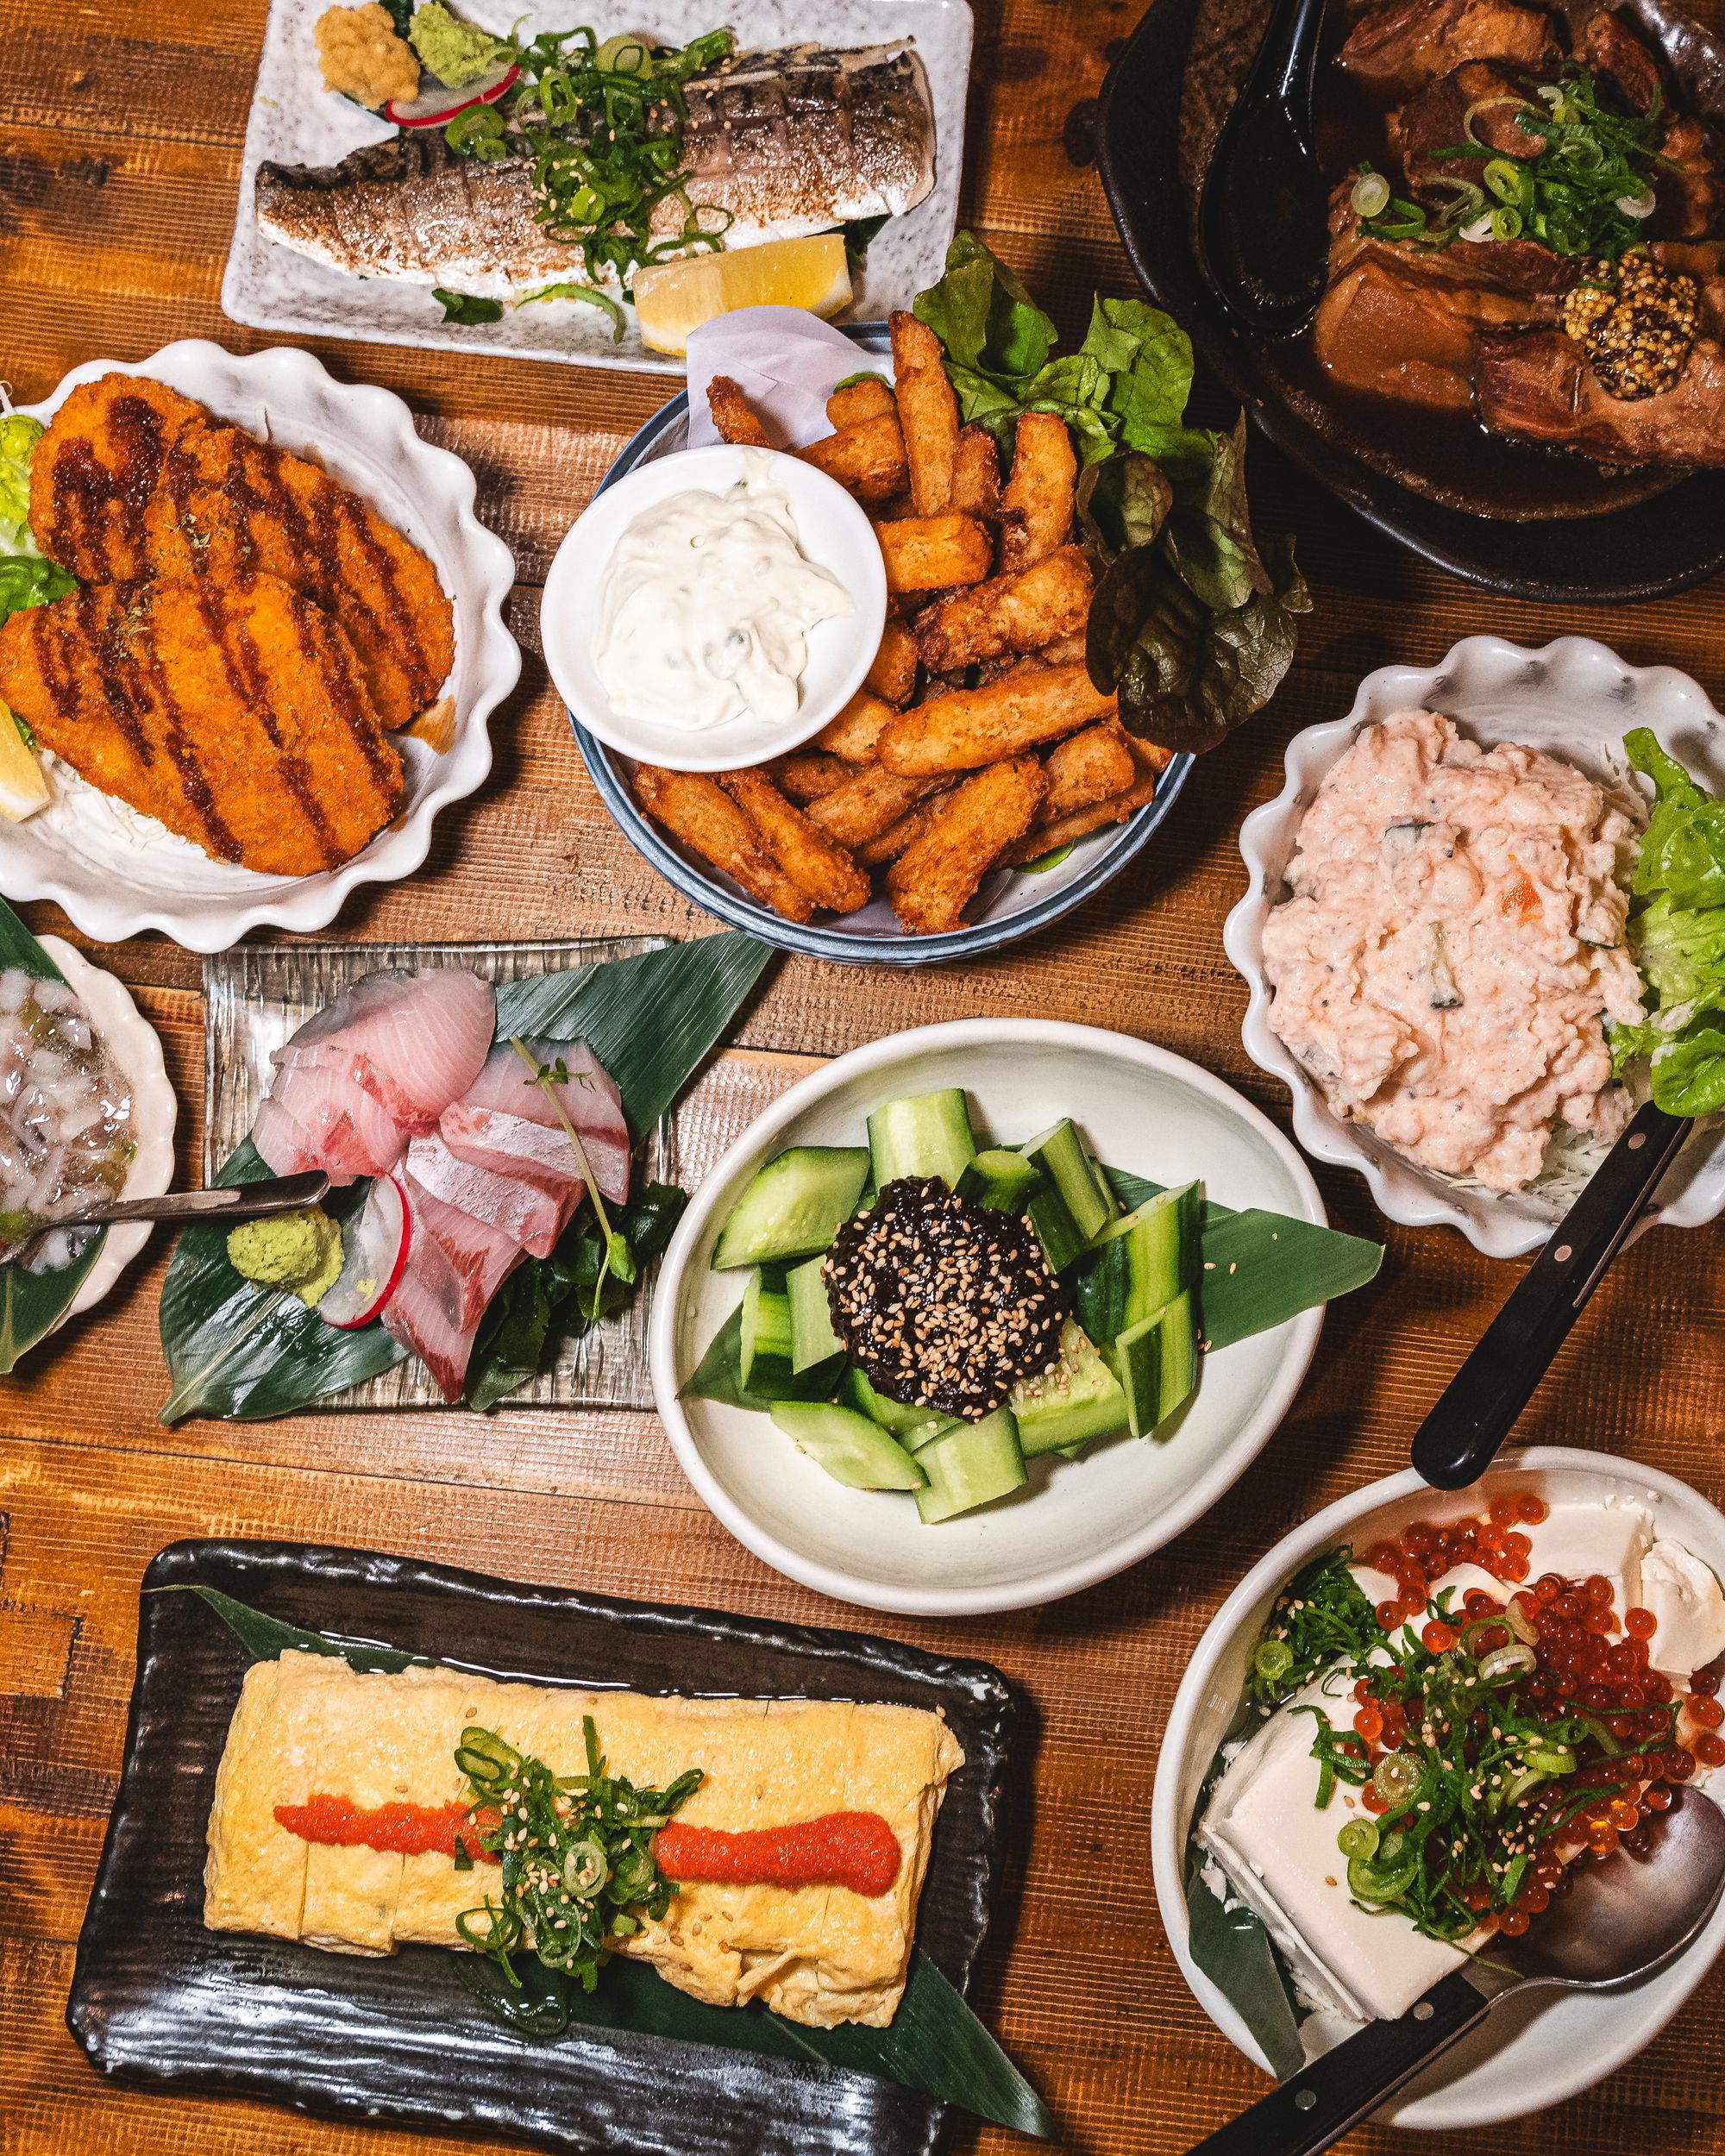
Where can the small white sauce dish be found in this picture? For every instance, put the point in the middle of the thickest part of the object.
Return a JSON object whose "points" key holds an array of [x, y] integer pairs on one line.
{"points": [[832, 531], [1574, 698], [1075, 1521], [131, 1040], [1532, 2052]]}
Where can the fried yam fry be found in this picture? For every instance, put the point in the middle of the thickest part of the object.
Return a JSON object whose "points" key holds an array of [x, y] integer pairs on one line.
{"points": [[854, 733], [873, 800], [734, 415], [1018, 612], [870, 399], [927, 413], [934, 879], [1035, 506], [909, 828], [934, 553], [868, 459], [809, 774], [893, 673], [966, 728], [1085, 768], [823, 871], [1043, 838], [697, 810], [976, 474]]}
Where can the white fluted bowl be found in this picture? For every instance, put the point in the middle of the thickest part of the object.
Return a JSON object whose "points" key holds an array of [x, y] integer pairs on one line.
{"points": [[1575, 698]]}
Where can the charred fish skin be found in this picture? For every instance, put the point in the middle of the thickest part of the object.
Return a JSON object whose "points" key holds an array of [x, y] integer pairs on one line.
{"points": [[789, 143]]}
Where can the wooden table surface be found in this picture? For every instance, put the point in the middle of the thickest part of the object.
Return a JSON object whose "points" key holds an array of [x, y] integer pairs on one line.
{"points": [[121, 126]]}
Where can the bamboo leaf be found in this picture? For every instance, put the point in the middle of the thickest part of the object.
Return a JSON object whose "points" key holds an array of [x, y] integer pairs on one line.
{"points": [[32, 1304], [935, 2043], [1261, 1268], [1232, 1948], [249, 1353], [720, 1375], [650, 1019]]}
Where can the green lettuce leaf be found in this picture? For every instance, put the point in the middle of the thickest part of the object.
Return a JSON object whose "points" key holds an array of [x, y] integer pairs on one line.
{"points": [[27, 580], [1676, 931], [18, 440]]}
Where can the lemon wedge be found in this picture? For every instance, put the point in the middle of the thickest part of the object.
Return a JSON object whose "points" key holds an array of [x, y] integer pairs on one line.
{"points": [[24, 783], [679, 297]]}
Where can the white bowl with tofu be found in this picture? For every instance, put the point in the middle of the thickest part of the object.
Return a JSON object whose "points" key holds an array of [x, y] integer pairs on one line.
{"points": [[1072, 1522], [1605, 1516]]}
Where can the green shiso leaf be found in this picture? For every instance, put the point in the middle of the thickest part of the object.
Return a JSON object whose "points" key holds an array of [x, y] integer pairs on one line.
{"points": [[935, 2043], [248, 1353], [32, 1304]]}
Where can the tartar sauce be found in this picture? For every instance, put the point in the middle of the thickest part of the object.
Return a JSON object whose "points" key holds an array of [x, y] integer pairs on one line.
{"points": [[705, 608]]}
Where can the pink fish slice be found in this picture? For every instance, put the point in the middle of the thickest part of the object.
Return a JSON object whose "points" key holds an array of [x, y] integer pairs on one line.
{"points": [[415, 1042], [527, 1213]]}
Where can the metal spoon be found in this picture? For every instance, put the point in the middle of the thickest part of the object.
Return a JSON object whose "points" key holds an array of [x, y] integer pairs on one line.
{"points": [[1621, 1921], [1477, 1408], [225, 1203], [1263, 243]]}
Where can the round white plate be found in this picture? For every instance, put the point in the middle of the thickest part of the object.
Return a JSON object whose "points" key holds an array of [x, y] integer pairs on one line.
{"points": [[131, 1040], [1075, 1521], [76, 851], [1574, 698], [1535, 2051], [832, 531]]}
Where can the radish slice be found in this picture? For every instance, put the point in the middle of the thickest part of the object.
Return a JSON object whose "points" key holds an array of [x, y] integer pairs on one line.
{"points": [[374, 1258], [433, 103]]}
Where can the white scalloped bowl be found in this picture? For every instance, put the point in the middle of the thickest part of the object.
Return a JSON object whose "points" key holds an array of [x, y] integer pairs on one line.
{"points": [[1574, 698], [1535, 2051], [131, 1040], [75, 853]]}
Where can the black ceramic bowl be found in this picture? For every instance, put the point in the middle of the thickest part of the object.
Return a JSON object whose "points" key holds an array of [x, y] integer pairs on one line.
{"points": [[1597, 538]]}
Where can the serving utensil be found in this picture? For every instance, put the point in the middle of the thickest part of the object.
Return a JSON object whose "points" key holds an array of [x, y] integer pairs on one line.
{"points": [[1262, 241], [1477, 1408], [1620, 1922], [225, 1204]]}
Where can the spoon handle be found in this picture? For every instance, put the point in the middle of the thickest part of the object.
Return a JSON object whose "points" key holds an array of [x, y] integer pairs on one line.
{"points": [[227, 1203], [1477, 1408], [1288, 58], [1317, 2105]]}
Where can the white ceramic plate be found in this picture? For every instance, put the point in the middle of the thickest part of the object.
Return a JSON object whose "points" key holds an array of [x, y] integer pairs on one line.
{"points": [[832, 531], [295, 121], [1533, 2051], [1575, 699], [1075, 1521], [77, 851], [130, 1039]]}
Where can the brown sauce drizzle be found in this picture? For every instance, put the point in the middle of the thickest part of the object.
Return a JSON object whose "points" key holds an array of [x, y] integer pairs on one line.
{"points": [[332, 655], [83, 491]]}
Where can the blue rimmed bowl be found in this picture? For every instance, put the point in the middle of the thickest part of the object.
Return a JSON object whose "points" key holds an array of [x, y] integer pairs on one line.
{"points": [[1010, 904]]}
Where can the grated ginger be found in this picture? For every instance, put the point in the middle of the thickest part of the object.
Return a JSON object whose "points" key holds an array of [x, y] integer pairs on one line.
{"points": [[362, 58]]}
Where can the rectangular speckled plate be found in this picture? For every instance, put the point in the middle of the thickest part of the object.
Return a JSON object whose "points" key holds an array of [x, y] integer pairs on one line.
{"points": [[257, 995], [295, 121], [155, 1998]]}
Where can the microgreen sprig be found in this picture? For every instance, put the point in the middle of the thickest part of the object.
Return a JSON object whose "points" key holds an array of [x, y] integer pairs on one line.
{"points": [[619, 1259]]}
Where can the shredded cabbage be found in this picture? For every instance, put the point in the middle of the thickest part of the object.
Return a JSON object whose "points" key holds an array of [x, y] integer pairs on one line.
{"points": [[18, 440]]}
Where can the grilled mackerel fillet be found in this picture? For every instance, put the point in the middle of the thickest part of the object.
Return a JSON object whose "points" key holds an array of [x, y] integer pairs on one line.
{"points": [[789, 142]]}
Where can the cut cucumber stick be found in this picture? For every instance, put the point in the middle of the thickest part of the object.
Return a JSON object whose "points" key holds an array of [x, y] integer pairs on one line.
{"points": [[795, 1207], [812, 1338], [970, 1465], [766, 1358], [852, 1450], [929, 1134]]}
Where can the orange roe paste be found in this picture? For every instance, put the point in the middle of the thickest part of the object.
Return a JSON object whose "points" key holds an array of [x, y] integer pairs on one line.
{"points": [[415, 1830], [856, 1850]]}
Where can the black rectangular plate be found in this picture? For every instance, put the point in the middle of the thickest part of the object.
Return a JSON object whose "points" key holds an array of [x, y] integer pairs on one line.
{"points": [[157, 1998]]}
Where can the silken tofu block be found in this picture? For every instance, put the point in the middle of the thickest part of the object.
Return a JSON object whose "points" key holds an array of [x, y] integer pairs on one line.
{"points": [[1263, 1826]]}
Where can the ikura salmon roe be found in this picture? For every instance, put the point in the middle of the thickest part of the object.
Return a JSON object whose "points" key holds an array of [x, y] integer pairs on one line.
{"points": [[1368, 1722], [1513, 1923], [1438, 1638], [1639, 1624], [1710, 1750], [1389, 1615], [1706, 1712]]}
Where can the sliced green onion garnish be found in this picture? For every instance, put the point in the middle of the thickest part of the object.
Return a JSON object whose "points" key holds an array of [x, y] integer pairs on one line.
{"points": [[1358, 1839]]}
